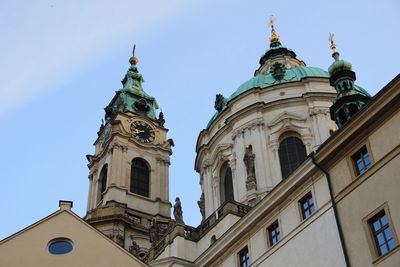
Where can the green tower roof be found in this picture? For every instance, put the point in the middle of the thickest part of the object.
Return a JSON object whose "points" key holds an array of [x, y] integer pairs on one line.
{"points": [[132, 97]]}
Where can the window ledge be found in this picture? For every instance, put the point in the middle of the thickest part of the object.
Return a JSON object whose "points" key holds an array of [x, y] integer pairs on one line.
{"points": [[383, 257]]}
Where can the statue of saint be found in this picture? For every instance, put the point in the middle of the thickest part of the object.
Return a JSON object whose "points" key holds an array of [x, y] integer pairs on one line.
{"points": [[202, 207], [153, 231], [178, 213]]}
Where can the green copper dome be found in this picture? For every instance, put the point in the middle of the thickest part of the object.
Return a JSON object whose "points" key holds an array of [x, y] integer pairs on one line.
{"points": [[266, 81], [339, 65], [291, 75]]}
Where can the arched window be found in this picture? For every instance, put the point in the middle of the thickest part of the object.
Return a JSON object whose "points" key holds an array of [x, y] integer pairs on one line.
{"points": [[353, 109], [140, 175], [292, 153], [226, 185], [103, 180]]}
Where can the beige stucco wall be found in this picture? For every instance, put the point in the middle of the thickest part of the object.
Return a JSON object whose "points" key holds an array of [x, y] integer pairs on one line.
{"points": [[311, 242], [361, 196], [381, 188], [90, 248]]}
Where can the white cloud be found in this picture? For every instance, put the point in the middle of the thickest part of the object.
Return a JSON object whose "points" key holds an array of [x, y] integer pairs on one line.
{"points": [[46, 42]]}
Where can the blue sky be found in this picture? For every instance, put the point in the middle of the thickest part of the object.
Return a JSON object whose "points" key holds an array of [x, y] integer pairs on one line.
{"points": [[62, 61]]}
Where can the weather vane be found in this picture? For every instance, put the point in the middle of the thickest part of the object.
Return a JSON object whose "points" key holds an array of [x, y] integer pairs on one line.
{"points": [[271, 21], [333, 45], [133, 60]]}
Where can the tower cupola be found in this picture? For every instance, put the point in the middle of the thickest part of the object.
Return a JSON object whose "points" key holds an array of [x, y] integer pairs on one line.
{"points": [[350, 98], [132, 98]]}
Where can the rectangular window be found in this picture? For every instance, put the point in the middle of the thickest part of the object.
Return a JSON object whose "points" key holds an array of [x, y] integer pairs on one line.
{"points": [[307, 206], [361, 160], [243, 255], [274, 234], [382, 234]]}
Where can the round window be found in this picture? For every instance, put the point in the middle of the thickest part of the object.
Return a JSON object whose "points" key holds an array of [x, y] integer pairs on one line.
{"points": [[60, 246]]}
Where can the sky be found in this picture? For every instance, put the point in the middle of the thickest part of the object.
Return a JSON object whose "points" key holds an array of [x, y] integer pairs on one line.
{"points": [[62, 62]]}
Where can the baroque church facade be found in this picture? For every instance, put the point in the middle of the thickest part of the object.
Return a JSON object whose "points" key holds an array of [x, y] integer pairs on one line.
{"points": [[298, 167]]}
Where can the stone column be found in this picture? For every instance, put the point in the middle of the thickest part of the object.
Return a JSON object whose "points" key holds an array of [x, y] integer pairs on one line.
{"points": [[116, 164], [89, 201]]}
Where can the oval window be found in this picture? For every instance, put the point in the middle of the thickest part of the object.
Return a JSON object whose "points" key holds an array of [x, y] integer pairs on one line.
{"points": [[60, 246]]}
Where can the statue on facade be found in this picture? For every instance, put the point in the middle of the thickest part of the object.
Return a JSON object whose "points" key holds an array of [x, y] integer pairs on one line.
{"points": [[178, 213], [251, 182], [134, 248], [219, 102], [161, 119], [202, 207], [154, 231]]}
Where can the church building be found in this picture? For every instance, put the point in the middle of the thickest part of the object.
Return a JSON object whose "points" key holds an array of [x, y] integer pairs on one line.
{"points": [[297, 167]]}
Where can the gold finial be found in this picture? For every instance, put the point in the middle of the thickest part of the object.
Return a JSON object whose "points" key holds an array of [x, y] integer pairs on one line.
{"points": [[333, 45], [133, 60], [274, 36]]}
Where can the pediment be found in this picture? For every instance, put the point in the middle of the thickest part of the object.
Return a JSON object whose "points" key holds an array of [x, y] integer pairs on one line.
{"points": [[285, 117]]}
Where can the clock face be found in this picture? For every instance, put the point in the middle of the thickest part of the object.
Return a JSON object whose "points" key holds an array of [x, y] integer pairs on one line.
{"points": [[142, 132]]}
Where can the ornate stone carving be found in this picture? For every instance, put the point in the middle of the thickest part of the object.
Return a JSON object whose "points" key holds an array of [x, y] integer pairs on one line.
{"points": [[201, 204], [278, 70], [251, 182], [178, 213], [252, 125]]}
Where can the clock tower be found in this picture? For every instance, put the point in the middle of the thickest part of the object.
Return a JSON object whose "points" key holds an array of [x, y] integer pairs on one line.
{"points": [[128, 173]]}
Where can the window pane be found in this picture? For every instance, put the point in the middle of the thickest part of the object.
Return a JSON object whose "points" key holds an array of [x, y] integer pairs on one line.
{"points": [[292, 153], [388, 233], [391, 244], [382, 233], [59, 247], [361, 160], [312, 209], [377, 225], [228, 184], [384, 220], [383, 249], [380, 239], [140, 177]]}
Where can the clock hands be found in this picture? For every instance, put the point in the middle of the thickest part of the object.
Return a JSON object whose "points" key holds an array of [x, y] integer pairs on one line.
{"points": [[137, 131]]}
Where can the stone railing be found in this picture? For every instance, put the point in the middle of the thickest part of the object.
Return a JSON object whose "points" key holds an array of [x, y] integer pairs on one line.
{"points": [[195, 234]]}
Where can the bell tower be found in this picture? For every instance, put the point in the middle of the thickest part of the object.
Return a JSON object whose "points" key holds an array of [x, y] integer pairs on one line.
{"points": [[128, 173]]}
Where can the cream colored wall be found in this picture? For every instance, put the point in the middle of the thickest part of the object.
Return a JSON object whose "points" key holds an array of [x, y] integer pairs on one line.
{"points": [[359, 196], [380, 188], [90, 248], [262, 127], [312, 242]]}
